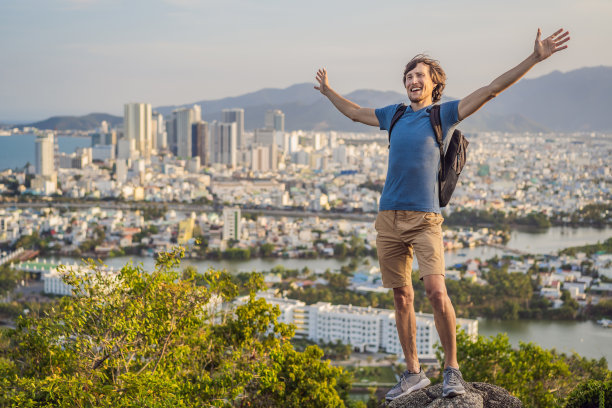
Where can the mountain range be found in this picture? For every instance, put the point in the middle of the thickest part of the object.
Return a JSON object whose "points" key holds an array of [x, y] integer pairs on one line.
{"points": [[564, 102]]}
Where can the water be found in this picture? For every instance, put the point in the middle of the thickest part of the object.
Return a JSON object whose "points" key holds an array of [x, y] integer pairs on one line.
{"points": [[17, 150], [540, 243], [585, 338], [555, 238]]}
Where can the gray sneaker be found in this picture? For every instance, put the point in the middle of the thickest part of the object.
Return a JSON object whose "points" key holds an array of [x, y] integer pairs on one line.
{"points": [[408, 383], [453, 383]]}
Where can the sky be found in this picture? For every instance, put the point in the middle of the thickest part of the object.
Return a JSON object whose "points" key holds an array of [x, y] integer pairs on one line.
{"points": [[73, 57]]}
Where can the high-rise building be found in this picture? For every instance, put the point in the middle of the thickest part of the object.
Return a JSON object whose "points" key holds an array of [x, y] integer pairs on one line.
{"points": [[231, 223], [45, 180], [159, 132], [137, 126], [45, 160], [236, 115], [185, 118], [275, 119], [171, 134], [223, 143], [200, 142]]}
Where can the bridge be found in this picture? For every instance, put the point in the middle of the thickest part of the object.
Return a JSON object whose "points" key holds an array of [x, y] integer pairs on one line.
{"points": [[506, 249]]}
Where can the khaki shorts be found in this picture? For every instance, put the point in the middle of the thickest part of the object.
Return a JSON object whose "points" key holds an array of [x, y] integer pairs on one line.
{"points": [[401, 234]]}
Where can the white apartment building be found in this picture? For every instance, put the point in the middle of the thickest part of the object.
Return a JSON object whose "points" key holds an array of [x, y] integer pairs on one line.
{"points": [[53, 283], [46, 175], [45, 149], [231, 223], [365, 328]]}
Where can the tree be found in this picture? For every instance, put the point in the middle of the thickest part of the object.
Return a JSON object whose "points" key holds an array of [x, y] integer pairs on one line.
{"points": [[266, 250], [152, 338], [8, 279], [538, 377]]}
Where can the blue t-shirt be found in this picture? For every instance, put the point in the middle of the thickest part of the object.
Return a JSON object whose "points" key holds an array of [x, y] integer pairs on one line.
{"points": [[414, 157]]}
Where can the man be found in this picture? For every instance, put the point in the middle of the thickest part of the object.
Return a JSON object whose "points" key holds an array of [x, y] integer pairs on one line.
{"points": [[409, 219]]}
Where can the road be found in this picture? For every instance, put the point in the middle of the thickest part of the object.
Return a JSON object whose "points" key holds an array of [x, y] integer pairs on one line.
{"points": [[186, 207]]}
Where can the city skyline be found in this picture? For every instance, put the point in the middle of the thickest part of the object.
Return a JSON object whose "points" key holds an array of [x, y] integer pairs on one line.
{"points": [[77, 57]]}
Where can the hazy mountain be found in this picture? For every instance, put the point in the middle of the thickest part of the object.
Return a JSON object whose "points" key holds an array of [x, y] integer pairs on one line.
{"points": [[573, 101], [86, 122], [578, 100]]}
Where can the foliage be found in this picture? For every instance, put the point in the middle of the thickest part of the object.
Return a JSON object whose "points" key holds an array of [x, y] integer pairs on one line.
{"points": [[242, 254], [153, 212], [266, 250], [538, 377], [592, 393], [140, 338], [603, 309], [34, 241], [8, 279], [592, 215], [589, 250]]}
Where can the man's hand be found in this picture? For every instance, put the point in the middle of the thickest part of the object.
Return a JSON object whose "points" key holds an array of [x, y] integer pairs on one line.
{"points": [[551, 44], [349, 109], [541, 50], [322, 80]]}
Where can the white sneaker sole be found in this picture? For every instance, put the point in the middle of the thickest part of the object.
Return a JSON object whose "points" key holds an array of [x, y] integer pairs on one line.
{"points": [[451, 394], [421, 384]]}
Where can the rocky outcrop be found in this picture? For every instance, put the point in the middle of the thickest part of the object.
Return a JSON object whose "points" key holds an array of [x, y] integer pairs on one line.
{"points": [[478, 395]]}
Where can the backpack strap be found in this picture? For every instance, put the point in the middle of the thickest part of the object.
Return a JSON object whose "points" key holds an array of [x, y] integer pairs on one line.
{"points": [[436, 124], [399, 112]]}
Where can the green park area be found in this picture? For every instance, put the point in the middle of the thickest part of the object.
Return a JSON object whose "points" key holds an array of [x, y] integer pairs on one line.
{"points": [[374, 375]]}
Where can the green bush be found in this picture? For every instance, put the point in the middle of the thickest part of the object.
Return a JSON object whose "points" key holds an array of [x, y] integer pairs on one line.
{"points": [[592, 393]]}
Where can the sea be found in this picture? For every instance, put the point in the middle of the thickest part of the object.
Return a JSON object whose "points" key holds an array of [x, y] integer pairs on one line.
{"points": [[18, 150]]}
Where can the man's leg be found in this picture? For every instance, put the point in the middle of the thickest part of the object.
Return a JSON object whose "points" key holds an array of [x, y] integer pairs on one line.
{"points": [[444, 317], [395, 258], [405, 322]]}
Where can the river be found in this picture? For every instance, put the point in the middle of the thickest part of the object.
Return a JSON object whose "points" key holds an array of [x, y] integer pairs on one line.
{"points": [[586, 338]]}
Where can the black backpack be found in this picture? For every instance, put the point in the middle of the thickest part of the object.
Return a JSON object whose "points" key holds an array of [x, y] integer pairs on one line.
{"points": [[452, 162]]}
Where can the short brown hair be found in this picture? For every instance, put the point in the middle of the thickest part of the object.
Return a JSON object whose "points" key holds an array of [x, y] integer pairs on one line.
{"points": [[435, 71]]}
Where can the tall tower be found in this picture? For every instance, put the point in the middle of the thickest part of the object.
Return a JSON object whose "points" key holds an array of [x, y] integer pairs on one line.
{"points": [[45, 161], [223, 142], [236, 115], [137, 126], [184, 119], [200, 142]]}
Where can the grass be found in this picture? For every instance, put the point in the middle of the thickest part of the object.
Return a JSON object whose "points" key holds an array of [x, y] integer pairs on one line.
{"points": [[364, 375]]}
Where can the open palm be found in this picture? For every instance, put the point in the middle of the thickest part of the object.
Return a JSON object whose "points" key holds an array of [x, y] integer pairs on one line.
{"points": [[551, 44]]}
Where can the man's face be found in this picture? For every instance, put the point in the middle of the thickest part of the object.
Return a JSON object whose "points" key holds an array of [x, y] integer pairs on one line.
{"points": [[418, 83]]}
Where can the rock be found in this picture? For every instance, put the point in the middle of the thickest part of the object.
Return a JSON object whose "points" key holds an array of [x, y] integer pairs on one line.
{"points": [[477, 395]]}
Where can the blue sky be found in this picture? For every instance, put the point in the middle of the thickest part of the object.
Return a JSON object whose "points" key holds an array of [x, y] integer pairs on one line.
{"points": [[81, 56]]}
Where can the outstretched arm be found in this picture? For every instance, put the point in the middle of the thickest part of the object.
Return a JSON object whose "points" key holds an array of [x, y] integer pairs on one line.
{"points": [[349, 109], [541, 50]]}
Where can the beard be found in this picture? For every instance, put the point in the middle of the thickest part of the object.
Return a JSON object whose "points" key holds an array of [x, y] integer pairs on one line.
{"points": [[417, 98]]}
